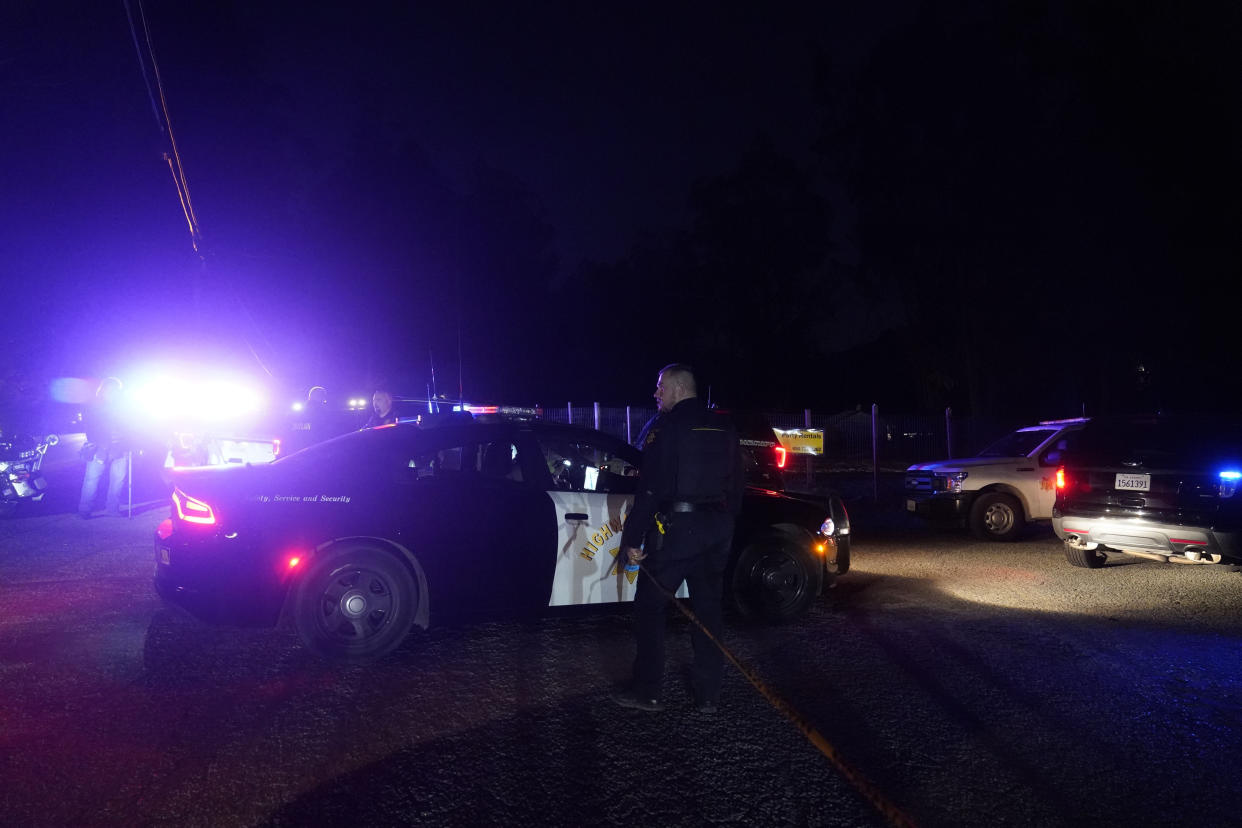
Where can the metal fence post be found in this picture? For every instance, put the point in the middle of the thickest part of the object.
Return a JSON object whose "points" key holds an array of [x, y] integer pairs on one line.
{"points": [[875, 452], [628, 438], [810, 458], [948, 432], [597, 416]]}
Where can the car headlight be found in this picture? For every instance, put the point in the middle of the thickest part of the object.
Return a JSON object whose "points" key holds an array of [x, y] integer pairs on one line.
{"points": [[948, 481], [827, 527]]}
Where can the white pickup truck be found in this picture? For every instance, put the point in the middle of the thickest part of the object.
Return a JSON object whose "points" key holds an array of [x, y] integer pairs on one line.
{"points": [[1009, 484]]}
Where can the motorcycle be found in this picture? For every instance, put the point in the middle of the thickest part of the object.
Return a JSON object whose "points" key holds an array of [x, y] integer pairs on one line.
{"points": [[21, 459]]}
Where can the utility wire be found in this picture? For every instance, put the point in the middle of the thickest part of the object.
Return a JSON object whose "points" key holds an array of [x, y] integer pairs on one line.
{"points": [[175, 166], [142, 67], [164, 120], [179, 174]]}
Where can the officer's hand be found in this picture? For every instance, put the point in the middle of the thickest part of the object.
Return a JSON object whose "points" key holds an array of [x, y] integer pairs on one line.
{"points": [[635, 556]]}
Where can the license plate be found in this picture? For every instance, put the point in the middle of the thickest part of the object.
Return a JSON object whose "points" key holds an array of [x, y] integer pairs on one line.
{"points": [[910, 507], [164, 556], [1132, 483]]}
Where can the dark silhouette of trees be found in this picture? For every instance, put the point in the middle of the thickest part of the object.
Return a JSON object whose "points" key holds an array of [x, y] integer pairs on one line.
{"points": [[1040, 183]]}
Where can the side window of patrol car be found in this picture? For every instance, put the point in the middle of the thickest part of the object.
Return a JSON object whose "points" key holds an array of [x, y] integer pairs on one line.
{"points": [[499, 460], [1053, 454], [449, 461], [582, 467]]}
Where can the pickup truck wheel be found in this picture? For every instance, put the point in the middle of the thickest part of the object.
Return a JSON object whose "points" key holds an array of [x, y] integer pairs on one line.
{"points": [[776, 578], [1087, 558], [997, 517], [355, 604]]}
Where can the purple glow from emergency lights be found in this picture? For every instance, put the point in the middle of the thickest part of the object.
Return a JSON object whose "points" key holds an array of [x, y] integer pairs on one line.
{"points": [[214, 400], [72, 389]]}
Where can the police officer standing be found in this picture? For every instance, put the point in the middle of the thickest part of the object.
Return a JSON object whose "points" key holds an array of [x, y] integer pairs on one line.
{"points": [[385, 409], [689, 492], [311, 424]]}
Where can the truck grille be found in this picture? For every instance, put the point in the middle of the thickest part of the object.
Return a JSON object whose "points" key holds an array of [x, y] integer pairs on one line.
{"points": [[918, 481]]}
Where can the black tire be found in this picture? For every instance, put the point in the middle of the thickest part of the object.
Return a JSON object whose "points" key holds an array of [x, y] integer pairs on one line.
{"points": [[776, 578], [1086, 558], [356, 603], [997, 517]]}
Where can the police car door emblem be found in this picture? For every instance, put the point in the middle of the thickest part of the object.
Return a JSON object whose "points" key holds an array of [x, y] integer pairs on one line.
{"points": [[589, 542]]}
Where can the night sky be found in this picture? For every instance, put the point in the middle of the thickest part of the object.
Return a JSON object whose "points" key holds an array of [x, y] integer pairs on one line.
{"points": [[1017, 209]]}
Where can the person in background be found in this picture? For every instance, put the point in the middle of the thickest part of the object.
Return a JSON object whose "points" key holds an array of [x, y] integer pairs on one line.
{"points": [[107, 448], [311, 422], [690, 489], [385, 409]]}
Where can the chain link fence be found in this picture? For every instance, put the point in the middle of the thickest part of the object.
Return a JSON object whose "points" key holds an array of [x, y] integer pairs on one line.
{"points": [[858, 440]]}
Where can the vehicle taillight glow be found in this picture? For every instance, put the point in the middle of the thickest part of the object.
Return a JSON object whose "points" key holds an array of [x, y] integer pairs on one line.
{"points": [[294, 561], [192, 510], [781, 455], [1061, 479]]}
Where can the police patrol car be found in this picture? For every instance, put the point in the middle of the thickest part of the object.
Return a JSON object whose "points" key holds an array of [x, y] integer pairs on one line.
{"points": [[1009, 484], [358, 539]]}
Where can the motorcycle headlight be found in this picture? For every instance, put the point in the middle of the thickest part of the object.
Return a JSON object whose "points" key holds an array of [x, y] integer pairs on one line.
{"points": [[949, 481], [827, 527]]}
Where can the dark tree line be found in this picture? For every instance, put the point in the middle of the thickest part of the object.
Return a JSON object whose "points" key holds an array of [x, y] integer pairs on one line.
{"points": [[1043, 198]]}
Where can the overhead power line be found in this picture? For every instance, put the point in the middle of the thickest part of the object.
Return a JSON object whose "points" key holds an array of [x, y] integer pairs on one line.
{"points": [[165, 122]]}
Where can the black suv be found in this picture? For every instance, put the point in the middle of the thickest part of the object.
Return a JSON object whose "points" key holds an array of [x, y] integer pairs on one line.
{"points": [[762, 454], [1158, 487]]}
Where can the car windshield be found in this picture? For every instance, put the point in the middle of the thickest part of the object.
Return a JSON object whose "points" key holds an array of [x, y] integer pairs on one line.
{"points": [[1018, 444]]}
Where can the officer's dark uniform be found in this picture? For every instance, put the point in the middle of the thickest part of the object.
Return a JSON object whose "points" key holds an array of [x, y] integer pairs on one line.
{"points": [[313, 424], [691, 484], [388, 419]]}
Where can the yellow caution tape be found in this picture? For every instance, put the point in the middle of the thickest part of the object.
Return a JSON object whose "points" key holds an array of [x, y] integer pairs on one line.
{"points": [[863, 785]]}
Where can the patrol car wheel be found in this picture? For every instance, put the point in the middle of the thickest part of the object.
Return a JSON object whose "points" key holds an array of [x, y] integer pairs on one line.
{"points": [[776, 579], [1087, 558], [997, 517], [356, 603]]}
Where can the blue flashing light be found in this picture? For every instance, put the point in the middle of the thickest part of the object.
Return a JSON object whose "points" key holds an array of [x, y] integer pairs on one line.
{"points": [[1229, 482]]}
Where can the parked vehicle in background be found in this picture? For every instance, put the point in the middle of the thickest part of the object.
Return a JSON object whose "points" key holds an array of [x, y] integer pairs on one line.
{"points": [[763, 457], [21, 478], [1157, 487], [1009, 484]]}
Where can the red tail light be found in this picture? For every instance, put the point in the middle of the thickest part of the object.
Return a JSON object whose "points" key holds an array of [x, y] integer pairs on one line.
{"points": [[1062, 480], [192, 510], [781, 455]]}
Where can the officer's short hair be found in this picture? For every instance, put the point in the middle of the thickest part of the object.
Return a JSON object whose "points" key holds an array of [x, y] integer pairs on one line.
{"points": [[681, 374]]}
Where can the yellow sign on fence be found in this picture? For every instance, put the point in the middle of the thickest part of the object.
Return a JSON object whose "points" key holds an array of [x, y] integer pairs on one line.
{"points": [[801, 440]]}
